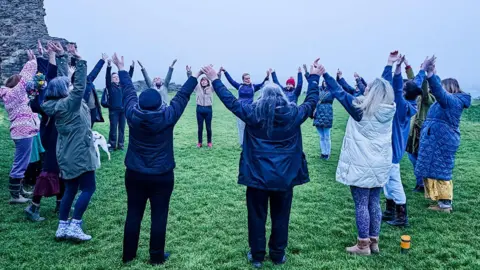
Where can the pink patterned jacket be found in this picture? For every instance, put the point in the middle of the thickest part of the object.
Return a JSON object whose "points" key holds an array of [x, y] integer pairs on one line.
{"points": [[23, 122]]}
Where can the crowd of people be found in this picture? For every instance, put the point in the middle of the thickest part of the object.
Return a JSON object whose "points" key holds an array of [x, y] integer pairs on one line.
{"points": [[52, 106]]}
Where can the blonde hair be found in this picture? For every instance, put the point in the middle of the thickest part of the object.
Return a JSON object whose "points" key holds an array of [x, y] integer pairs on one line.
{"points": [[379, 92], [451, 85]]}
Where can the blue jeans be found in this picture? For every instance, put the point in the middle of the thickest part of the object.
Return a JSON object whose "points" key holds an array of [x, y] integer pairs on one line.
{"points": [[117, 123], [86, 183], [394, 189], [23, 150], [325, 142], [413, 159], [368, 213]]}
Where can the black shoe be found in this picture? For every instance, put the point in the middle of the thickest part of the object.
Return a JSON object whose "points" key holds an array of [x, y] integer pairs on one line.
{"points": [[111, 149], [166, 255], [389, 210], [401, 218], [282, 261], [254, 263], [419, 189]]}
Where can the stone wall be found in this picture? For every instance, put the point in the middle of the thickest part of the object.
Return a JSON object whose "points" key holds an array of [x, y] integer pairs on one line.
{"points": [[22, 23]]}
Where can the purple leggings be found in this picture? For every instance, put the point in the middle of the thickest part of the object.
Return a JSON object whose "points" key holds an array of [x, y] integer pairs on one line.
{"points": [[368, 213], [23, 149]]}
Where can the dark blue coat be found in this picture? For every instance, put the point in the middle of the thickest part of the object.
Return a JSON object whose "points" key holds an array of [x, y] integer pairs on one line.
{"points": [[245, 91], [440, 135], [294, 93], [90, 89], [275, 163], [115, 92], [150, 148], [323, 117], [351, 90]]}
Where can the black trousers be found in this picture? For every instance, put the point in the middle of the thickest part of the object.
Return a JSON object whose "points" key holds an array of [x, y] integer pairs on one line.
{"points": [[117, 123], [204, 114], [140, 188], [93, 116], [257, 205]]}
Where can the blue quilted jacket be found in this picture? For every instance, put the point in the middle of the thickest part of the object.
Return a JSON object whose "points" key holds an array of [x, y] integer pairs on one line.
{"points": [[440, 135], [323, 117]]}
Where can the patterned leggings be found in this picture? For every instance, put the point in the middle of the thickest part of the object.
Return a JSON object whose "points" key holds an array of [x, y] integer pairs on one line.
{"points": [[368, 213]]}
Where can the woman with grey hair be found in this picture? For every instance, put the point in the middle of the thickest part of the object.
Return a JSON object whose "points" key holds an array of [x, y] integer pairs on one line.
{"points": [[75, 151], [272, 161]]}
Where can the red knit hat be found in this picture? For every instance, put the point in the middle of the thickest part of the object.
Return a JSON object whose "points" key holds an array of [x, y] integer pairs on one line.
{"points": [[291, 81]]}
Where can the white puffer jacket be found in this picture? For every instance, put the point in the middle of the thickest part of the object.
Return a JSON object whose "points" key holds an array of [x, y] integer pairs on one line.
{"points": [[366, 156]]}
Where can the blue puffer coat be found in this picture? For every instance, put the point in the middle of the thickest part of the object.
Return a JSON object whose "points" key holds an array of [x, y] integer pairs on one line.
{"points": [[323, 117], [275, 162], [440, 135]]}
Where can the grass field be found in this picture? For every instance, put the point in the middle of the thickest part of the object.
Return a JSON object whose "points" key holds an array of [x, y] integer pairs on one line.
{"points": [[207, 226]]}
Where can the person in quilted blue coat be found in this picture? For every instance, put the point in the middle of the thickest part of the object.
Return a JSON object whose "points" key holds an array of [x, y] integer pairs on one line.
{"points": [[440, 137], [323, 120]]}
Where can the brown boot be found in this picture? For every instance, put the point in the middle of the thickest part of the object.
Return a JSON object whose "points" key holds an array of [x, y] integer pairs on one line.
{"points": [[374, 245], [362, 247]]}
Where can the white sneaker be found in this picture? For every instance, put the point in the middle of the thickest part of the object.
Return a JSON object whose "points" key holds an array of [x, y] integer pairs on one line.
{"points": [[61, 233], [75, 231], [19, 200]]}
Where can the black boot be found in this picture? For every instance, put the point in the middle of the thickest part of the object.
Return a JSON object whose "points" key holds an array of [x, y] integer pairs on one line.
{"points": [[389, 210], [401, 218], [57, 207], [15, 186]]}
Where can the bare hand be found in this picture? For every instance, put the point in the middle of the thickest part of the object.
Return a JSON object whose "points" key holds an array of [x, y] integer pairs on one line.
{"points": [[222, 69], [71, 70], [356, 75], [299, 70], [109, 62], [317, 68], [339, 73], [393, 57], [31, 55], [41, 50], [189, 69], [58, 48], [305, 67], [50, 48], [119, 62], [401, 59], [173, 63], [140, 64], [210, 72], [104, 56], [270, 70], [132, 65], [428, 63], [71, 49], [405, 61]]}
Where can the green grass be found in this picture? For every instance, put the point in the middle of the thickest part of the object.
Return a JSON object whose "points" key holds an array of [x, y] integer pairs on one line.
{"points": [[207, 226]]}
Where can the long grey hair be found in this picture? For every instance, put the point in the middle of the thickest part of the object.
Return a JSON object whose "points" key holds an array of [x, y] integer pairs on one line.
{"points": [[57, 88], [271, 98]]}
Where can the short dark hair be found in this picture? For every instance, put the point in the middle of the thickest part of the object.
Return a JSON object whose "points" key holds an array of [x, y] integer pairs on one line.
{"points": [[13, 81], [245, 74]]}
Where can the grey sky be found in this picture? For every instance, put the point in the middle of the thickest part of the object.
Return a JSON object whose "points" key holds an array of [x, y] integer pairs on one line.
{"points": [[253, 35]]}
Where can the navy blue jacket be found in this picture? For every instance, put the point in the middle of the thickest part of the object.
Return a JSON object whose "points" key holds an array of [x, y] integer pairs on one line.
{"points": [[48, 130], [440, 135], [90, 89], [275, 163], [115, 93], [323, 117], [351, 90], [245, 91], [150, 148], [293, 93], [405, 110]]}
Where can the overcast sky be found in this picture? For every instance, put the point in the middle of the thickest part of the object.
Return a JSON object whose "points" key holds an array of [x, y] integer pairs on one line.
{"points": [[254, 35]]}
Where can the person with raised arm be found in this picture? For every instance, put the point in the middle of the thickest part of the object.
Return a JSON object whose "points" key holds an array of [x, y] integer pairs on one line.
{"points": [[246, 92], [440, 137], [76, 155], [424, 101], [116, 112], [272, 162], [158, 83], [366, 156], [204, 92], [150, 161], [356, 91], [396, 202], [24, 125], [323, 120], [290, 90], [48, 183]]}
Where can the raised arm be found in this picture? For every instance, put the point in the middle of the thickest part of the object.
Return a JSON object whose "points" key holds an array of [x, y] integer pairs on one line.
{"points": [[62, 65], [231, 80], [96, 69], [309, 104], [421, 81], [343, 97], [74, 99], [147, 79], [259, 86], [28, 71], [345, 86], [108, 76], [361, 85], [180, 100], [298, 89], [230, 101], [275, 79], [168, 78], [441, 95]]}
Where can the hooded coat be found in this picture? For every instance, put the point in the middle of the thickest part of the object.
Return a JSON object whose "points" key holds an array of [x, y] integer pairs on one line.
{"points": [[75, 150], [366, 154], [150, 148], [440, 135], [276, 162]]}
